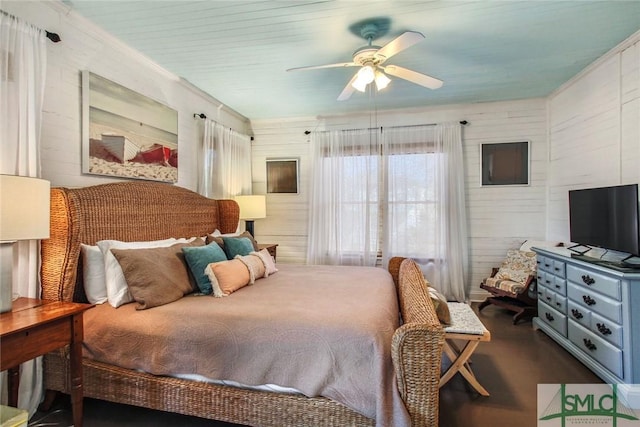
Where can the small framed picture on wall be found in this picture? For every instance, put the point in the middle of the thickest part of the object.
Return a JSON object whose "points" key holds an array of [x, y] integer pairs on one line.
{"points": [[282, 176], [505, 163]]}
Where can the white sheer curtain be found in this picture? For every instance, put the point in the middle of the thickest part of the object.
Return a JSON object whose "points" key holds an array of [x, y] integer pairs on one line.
{"points": [[344, 206], [426, 211], [226, 162], [395, 192], [23, 60]]}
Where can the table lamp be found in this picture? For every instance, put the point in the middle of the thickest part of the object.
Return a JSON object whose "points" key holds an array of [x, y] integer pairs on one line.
{"points": [[251, 208], [24, 215]]}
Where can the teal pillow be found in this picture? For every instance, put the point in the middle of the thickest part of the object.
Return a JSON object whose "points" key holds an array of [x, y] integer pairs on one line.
{"points": [[198, 258], [237, 246]]}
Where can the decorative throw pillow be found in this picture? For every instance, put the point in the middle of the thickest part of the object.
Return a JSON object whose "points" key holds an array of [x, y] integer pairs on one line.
{"points": [[255, 265], [117, 290], [227, 276], [267, 260], [219, 238], [237, 246], [93, 276], [156, 276], [198, 258], [441, 306], [517, 266]]}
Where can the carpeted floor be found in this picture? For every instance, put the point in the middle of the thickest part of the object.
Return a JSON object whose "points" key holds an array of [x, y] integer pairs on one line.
{"points": [[509, 367]]}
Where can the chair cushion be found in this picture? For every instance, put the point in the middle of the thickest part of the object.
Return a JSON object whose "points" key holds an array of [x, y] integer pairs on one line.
{"points": [[505, 285], [517, 267]]}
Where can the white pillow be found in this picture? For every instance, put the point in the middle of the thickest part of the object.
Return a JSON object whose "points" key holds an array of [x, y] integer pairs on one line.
{"points": [[93, 275], [268, 261], [117, 289]]}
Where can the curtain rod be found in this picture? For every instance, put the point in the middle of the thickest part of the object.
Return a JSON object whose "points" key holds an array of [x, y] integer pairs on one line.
{"points": [[204, 116], [462, 122], [54, 37]]}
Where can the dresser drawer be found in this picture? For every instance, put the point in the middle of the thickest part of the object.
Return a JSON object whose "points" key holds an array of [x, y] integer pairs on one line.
{"points": [[579, 314], [605, 285], [559, 269], [609, 356], [595, 302], [553, 318], [559, 285], [546, 279], [606, 329], [543, 263]]}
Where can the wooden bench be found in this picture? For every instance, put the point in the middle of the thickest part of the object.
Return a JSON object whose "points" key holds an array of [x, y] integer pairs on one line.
{"points": [[465, 326]]}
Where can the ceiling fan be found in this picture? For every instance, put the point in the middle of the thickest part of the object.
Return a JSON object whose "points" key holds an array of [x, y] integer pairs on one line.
{"points": [[370, 59]]}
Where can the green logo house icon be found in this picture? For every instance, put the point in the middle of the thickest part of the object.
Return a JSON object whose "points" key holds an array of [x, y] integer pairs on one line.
{"points": [[581, 404]]}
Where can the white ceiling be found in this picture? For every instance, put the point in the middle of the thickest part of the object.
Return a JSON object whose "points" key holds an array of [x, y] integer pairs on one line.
{"points": [[239, 51]]}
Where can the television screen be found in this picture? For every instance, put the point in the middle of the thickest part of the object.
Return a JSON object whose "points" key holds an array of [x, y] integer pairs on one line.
{"points": [[605, 217]]}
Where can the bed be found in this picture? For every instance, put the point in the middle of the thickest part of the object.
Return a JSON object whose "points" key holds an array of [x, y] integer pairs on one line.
{"points": [[145, 211]]}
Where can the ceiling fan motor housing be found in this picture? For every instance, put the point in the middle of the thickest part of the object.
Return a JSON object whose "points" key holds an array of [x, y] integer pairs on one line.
{"points": [[366, 54]]}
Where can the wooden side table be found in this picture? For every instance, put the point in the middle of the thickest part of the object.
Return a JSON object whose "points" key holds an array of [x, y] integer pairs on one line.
{"points": [[271, 247], [35, 327]]}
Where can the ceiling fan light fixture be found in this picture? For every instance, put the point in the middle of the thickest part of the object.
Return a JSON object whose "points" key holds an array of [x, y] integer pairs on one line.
{"points": [[382, 81], [366, 74], [359, 84]]}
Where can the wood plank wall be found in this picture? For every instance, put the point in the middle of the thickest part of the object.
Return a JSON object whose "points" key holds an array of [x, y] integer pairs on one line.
{"points": [[499, 218], [594, 131]]}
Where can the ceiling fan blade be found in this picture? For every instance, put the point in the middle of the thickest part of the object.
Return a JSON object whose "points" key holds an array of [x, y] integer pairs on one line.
{"points": [[414, 77], [317, 67], [348, 89], [397, 45]]}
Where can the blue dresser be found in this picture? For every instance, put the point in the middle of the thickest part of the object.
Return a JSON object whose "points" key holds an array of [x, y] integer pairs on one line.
{"points": [[593, 311]]}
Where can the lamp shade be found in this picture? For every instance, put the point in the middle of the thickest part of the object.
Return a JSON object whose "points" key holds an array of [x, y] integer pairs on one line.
{"points": [[252, 207], [24, 208]]}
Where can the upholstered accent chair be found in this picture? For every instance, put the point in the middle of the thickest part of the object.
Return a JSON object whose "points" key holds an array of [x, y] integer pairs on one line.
{"points": [[513, 285]]}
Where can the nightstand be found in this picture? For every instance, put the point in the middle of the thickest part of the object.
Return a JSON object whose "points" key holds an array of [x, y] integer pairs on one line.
{"points": [[271, 247], [35, 327]]}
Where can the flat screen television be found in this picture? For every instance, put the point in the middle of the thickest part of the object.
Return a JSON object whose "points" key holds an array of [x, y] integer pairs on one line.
{"points": [[606, 217]]}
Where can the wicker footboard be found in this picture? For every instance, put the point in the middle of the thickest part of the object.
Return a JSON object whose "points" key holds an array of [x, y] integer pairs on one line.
{"points": [[223, 403]]}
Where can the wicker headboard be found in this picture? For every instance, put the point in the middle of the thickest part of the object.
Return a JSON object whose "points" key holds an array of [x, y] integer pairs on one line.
{"points": [[127, 211]]}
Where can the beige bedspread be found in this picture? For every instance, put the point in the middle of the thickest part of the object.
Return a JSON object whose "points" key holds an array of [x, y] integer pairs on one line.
{"points": [[323, 330]]}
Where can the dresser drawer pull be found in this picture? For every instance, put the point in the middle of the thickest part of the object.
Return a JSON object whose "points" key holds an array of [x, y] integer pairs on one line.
{"points": [[549, 317], [557, 286], [548, 298], [576, 313], [588, 279], [603, 329], [557, 268], [547, 265], [540, 293], [587, 343], [547, 281], [588, 300]]}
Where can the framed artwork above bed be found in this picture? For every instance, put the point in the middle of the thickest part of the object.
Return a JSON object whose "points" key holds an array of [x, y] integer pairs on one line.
{"points": [[126, 134]]}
